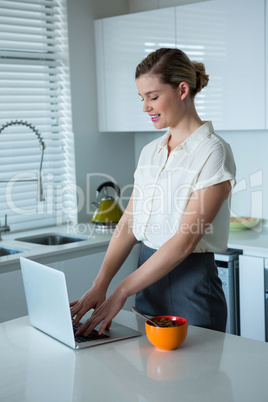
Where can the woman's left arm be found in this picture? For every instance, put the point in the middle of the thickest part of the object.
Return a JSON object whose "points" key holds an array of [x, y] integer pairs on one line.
{"points": [[203, 206]]}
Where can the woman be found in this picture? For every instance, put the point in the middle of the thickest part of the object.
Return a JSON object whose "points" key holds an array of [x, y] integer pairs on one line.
{"points": [[179, 208]]}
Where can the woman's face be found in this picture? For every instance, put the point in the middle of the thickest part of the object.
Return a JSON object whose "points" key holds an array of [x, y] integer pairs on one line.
{"points": [[162, 102]]}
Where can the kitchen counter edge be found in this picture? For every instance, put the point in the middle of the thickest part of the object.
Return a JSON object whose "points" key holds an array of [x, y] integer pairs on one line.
{"points": [[93, 242]]}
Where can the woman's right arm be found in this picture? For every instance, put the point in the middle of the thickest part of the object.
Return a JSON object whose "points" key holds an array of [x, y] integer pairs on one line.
{"points": [[118, 250]]}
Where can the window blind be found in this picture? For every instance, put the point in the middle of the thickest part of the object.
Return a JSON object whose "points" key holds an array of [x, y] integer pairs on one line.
{"points": [[34, 88]]}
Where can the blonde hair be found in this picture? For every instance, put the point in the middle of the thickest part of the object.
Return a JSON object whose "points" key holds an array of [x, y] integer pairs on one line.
{"points": [[173, 67]]}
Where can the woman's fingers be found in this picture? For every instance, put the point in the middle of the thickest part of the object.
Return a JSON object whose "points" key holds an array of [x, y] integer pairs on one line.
{"points": [[109, 325], [105, 325], [97, 316], [78, 309], [104, 312], [86, 328], [90, 300], [77, 318]]}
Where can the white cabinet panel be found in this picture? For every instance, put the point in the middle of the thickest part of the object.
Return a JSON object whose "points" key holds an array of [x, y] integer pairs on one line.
{"points": [[80, 273], [266, 54], [252, 297], [121, 43], [12, 296], [228, 37]]}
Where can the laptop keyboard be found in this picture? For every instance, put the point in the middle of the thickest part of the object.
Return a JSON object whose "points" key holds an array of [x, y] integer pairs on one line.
{"points": [[91, 337]]}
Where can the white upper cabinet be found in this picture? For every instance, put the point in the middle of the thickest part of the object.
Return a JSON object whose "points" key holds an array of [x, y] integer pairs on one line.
{"points": [[121, 43], [228, 37]]}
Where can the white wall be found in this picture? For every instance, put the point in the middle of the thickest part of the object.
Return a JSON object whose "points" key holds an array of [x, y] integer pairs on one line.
{"points": [[251, 192], [95, 153], [250, 149]]}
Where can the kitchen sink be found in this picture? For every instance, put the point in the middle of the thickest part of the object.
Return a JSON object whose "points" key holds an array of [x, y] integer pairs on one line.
{"points": [[50, 239], [8, 251]]}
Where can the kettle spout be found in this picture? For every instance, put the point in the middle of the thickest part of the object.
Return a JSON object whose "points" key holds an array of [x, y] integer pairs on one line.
{"points": [[96, 204]]}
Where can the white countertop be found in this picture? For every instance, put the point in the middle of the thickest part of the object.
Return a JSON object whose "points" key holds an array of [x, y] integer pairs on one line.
{"points": [[209, 366], [250, 241], [93, 242]]}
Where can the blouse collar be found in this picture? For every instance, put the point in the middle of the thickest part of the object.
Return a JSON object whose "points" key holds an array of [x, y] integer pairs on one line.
{"points": [[192, 141]]}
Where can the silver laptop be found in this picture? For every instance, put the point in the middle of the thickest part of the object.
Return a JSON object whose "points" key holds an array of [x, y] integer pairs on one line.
{"points": [[49, 310]]}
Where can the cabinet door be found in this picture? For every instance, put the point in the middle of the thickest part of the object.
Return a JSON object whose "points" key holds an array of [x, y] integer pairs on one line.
{"points": [[252, 297], [12, 296], [266, 72], [121, 43], [228, 37], [80, 273]]}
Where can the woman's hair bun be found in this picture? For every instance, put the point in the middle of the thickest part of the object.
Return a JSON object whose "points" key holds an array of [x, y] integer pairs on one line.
{"points": [[201, 77], [173, 66]]}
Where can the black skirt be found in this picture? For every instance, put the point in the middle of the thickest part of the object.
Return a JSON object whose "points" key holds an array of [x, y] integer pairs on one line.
{"points": [[192, 290]]}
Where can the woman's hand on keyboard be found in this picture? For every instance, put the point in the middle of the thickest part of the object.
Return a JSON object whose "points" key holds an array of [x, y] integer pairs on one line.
{"points": [[104, 313], [92, 299]]}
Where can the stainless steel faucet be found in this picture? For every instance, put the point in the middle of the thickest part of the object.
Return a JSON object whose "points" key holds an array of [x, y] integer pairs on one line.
{"points": [[4, 228], [42, 146]]}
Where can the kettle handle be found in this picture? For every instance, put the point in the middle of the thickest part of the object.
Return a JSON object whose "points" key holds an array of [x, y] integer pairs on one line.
{"points": [[109, 184]]}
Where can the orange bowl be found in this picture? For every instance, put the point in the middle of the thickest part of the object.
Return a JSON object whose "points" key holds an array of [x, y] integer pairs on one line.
{"points": [[167, 338]]}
